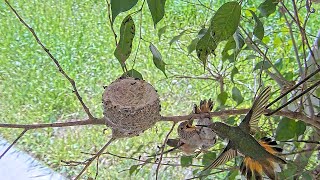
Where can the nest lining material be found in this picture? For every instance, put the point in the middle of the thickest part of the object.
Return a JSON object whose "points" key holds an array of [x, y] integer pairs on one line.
{"points": [[131, 106]]}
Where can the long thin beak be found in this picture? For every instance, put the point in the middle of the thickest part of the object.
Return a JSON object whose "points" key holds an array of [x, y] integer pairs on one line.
{"points": [[203, 126]]}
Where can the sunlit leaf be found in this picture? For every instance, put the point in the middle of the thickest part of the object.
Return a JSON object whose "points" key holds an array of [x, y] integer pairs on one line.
{"points": [[232, 175], [307, 176], [268, 7], [132, 169], [262, 64], [127, 33], [222, 98], [202, 32], [205, 46], [290, 171], [234, 72], [176, 38], [288, 129], [118, 6], [300, 128], [251, 56], [157, 59], [236, 95], [192, 46], [258, 30], [225, 21], [162, 31], [208, 158], [132, 73], [186, 161], [223, 24], [156, 8]]}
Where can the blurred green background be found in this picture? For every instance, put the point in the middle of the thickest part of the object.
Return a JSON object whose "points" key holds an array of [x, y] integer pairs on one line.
{"points": [[79, 36]]}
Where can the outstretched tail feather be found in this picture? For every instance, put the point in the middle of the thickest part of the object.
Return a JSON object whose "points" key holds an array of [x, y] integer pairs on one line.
{"points": [[205, 107], [252, 168]]}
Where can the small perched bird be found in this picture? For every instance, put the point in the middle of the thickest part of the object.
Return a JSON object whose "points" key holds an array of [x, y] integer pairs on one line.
{"points": [[178, 144], [193, 137], [207, 136], [189, 134], [260, 156]]}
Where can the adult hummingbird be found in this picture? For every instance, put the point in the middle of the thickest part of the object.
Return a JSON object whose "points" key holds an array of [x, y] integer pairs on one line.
{"points": [[260, 156]]}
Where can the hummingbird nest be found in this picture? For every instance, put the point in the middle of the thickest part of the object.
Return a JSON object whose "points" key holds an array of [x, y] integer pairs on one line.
{"points": [[131, 106]]}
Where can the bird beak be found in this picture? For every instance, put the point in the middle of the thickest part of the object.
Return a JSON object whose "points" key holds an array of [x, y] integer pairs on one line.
{"points": [[203, 126]]}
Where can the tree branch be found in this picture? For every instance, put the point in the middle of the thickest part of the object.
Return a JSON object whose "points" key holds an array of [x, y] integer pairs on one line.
{"points": [[162, 149], [94, 157]]}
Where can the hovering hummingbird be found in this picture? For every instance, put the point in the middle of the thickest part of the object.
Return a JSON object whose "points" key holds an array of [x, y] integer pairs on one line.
{"points": [[260, 156]]}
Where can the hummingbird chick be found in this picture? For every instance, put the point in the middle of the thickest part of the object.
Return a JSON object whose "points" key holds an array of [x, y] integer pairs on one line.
{"points": [[207, 136], [189, 134]]}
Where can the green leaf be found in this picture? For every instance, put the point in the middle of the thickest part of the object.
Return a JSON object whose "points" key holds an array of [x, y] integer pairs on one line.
{"points": [[192, 46], [232, 175], [185, 161], [318, 92], [306, 176], [236, 95], [176, 38], [238, 38], [205, 46], [225, 21], [132, 73], [234, 43], [222, 98], [224, 24], [289, 171], [262, 64], [234, 72], [202, 32], [286, 129], [300, 128], [156, 8], [127, 33], [157, 59], [162, 31], [251, 56], [258, 30], [118, 6], [268, 7], [208, 158], [132, 169]]}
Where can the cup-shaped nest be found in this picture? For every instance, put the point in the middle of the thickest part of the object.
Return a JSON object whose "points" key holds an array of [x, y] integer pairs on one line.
{"points": [[131, 106]]}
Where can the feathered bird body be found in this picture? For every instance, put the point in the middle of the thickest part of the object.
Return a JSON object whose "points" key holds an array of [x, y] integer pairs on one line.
{"points": [[259, 156]]}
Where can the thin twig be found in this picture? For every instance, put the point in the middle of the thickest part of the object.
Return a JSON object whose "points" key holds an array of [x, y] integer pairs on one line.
{"points": [[294, 87], [94, 157], [111, 23], [297, 152], [140, 35], [72, 82], [14, 142], [162, 149], [296, 97], [304, 141], [98, 121]]}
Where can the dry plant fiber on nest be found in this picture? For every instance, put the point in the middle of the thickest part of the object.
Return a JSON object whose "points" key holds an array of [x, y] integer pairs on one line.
{"points": [[131, 106]]}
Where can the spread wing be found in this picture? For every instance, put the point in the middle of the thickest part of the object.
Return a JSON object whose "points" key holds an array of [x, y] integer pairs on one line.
{"points": [[251, 120], [227, 154]]}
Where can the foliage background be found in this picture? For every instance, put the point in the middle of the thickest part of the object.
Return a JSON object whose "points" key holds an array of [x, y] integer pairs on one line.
{"points": [[78, 34]]}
